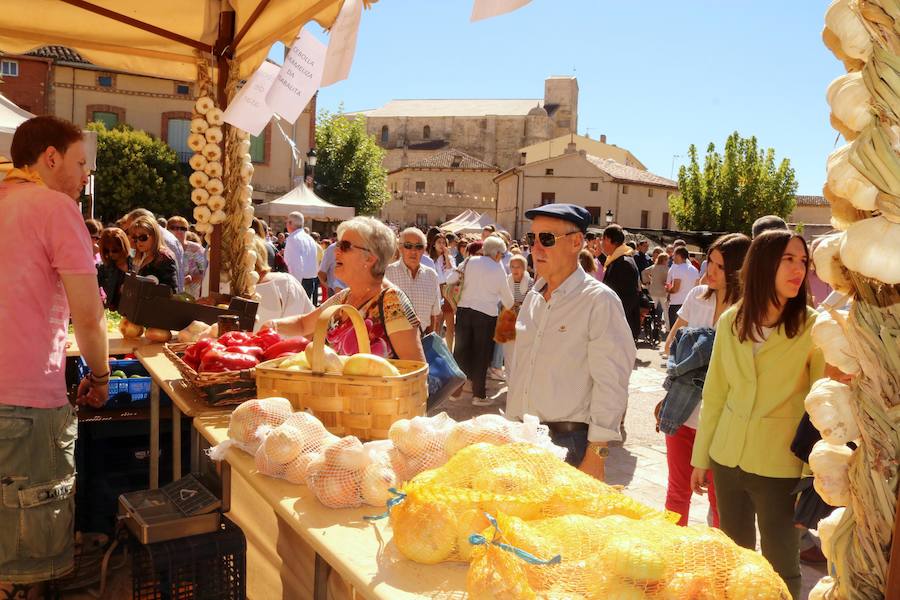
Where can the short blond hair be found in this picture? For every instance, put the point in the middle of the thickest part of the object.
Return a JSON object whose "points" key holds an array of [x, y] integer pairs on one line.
{"points": [[378, 238]]}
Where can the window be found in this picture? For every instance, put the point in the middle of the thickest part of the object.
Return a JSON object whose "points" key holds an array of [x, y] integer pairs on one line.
{"points": [[421, 219], [548, 198], [596, 214], [420, 187], [110, 119], [595, 187], [450, 186], [624, 189], [548, 171], [9, 68], [665, 220], [182, 89], [105, 81], [645, 219], [258, 148], [177, 131], [394, 187], [426, 132], [384, 134], [649, 192], [456, 161]]}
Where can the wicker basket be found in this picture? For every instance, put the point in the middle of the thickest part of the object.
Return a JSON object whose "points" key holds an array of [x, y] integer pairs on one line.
{"points": [[218, 389], [348, 405]]}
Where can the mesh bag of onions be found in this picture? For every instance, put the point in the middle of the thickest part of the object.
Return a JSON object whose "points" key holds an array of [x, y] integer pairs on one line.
{"points": [[287, 450], [434, 514], [245, 421], [578, 556]]}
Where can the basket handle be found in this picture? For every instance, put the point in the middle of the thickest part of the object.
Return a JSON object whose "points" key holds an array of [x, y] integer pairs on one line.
{"points": [[317, 362]]}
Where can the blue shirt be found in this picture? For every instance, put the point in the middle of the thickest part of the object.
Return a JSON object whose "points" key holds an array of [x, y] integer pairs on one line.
{"points": [[327, 267]]}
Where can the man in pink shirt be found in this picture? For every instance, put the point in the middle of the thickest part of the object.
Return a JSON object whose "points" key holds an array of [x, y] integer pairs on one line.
{"points": [[50, 276]]}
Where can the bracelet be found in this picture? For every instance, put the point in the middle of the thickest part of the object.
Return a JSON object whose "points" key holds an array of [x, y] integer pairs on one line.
{"points": [[101, 379]]}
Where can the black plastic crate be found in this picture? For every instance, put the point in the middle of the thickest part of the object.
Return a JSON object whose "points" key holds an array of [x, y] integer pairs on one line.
{"points": [[201, 567]]}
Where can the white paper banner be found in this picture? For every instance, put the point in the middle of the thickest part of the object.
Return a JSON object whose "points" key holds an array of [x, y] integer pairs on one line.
{"points": [[248, 110], [485, 9], [299, 77], [342, 43]]}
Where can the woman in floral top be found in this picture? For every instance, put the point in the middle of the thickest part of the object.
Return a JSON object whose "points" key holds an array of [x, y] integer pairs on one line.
{"points": [[364, 249]]}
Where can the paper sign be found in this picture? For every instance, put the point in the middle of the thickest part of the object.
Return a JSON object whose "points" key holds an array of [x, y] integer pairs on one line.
{"points": [[298, 78], [248, 109], [485, 9], [342, 43]]}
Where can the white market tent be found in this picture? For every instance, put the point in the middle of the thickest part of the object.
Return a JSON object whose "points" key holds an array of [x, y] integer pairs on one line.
{"points": [[304, 200], [468, 221]]}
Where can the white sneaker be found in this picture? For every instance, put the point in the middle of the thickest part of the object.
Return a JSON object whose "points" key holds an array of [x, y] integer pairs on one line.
{"points": [[476, 401]]}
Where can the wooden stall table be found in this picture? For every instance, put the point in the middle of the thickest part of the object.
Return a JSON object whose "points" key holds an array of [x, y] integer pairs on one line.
{"points": [[117, 344], [185, 401], [294, 542]]}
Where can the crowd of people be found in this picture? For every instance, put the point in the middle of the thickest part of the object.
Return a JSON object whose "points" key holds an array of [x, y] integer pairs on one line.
{"points": [[738, 346]]}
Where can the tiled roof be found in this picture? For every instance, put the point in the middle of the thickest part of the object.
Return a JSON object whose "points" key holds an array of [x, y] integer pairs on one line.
{"points": [[452, 159], [453, 108], [624, 173], [811, 201], [60, 53]]}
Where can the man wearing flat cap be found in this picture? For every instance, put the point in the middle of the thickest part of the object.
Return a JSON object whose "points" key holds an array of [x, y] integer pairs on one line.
{"points": [[574, 350]]}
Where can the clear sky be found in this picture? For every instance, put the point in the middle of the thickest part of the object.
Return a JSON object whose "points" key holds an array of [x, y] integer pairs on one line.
{"points": [[654, 75]]}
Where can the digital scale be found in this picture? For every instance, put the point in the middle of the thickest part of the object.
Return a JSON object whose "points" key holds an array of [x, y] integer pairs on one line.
{"points": [[180, 509]]}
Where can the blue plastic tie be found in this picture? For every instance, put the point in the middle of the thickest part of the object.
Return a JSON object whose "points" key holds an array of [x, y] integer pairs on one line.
{"points": [[477, 540], [391, 503]]}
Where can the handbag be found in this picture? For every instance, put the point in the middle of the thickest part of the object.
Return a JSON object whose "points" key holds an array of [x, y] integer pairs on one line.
{"points": [[444, 375], [453, 291]]}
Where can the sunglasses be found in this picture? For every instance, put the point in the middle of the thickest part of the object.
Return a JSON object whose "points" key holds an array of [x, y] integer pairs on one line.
{"points": [[346, 245], [140, 238], [177, 228], [547, 239], [411, 246]]}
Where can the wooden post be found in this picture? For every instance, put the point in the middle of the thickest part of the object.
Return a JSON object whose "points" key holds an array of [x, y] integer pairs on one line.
{"points": [[226, 36], [892, 588]]}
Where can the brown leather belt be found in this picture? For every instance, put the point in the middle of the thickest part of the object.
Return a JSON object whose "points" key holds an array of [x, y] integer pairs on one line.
{"points": [[561, 427]]}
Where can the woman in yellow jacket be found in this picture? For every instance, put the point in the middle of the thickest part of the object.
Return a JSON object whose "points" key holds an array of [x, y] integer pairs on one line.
{"points": [[763, 363]]}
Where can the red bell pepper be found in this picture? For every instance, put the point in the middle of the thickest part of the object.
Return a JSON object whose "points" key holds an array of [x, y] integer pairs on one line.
{"points": [[254, 351], [265, 338], [290, 346], [235, 338], [217, 360]]}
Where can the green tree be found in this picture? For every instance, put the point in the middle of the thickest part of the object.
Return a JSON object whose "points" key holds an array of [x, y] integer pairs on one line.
{"points": [[136, 170], [732, 190], [349, 169]]}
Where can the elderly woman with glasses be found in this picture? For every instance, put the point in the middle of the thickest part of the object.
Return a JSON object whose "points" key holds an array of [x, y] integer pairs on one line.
{"points": [[152, 258], [484, 287], [195, 262], [115, 263], [364, 249]]}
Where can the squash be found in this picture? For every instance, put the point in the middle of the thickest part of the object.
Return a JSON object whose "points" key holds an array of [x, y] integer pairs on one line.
{"points": [[369, 365]]}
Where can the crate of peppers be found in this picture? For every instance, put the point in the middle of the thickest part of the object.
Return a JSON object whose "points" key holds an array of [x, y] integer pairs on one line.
{"points": [[221, 369]]}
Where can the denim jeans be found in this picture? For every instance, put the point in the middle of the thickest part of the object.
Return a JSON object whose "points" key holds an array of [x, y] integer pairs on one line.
{"points": [[575, 442]]}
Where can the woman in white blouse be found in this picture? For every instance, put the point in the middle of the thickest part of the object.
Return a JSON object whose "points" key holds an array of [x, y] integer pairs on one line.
{"points": [[484, 287], [280, 294], [702, 308], [444, 263], [520, 283]]}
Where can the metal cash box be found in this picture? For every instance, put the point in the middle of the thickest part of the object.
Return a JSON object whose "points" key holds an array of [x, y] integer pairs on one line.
{"points": [[180, 509]]}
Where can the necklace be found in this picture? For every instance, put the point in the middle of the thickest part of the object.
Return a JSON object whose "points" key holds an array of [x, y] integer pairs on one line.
{"points": [[366, 294]]}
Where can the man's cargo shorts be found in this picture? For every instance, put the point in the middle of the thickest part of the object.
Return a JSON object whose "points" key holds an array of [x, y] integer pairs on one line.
{"points": [[37, 492]]}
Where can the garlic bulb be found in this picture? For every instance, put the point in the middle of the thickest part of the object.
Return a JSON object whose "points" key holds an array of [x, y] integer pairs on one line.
{"points": [[199, 125], [241, 134], [196, 142], [213, 169], [214, 135], [822, 589], [203, 227], [830, 464], [843, 213], [827, 259], [216, 202], [197, 162], [246, 172], [249, 237], [850, 103], [871, 247], [208, 239], [245, 146], [215, 187], [826, 529], [829, 335], [253, 278], [847, 27], [198, 179], [204, 104], [828, 405], [211, 151], [247, 193], [199, 196], [215, 117], [202, 214], [847, 182], [217, 217]]}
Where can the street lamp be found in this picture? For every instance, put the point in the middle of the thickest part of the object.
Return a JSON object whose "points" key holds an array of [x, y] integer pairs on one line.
{"points": [[311, 165], [609, 217]]}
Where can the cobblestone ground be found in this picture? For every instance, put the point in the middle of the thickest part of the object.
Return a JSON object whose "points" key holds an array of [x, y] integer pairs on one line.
{"points": [[639, 464]]}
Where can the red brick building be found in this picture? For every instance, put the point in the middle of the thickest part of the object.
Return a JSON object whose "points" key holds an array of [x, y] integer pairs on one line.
{"points": [[25, 80]]}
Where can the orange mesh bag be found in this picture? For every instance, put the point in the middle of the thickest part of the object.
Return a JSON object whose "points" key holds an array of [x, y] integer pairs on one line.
{"points": [[245, 421], [576, 556], [287, 450], [434, 514]]}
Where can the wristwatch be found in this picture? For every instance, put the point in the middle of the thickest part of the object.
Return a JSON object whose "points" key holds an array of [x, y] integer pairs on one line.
{"points": [[601, 451]]}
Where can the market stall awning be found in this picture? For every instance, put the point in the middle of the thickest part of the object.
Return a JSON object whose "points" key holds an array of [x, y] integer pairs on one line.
{"points": [[304, 200], [161, 37], [468, 221]]}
